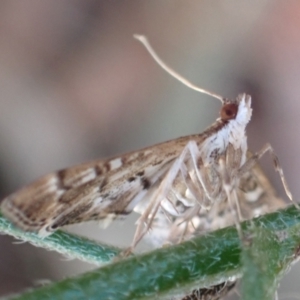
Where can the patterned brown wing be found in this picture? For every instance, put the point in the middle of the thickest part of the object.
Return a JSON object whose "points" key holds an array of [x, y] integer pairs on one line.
{"points": [[99, 190]]}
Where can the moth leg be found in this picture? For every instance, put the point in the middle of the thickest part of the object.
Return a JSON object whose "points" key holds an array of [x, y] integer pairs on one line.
{"points": [[231, 195], [194, 188], [199, 186], [249, 164], [190, 150], [195, 155], [186, 219], [162, 191]]}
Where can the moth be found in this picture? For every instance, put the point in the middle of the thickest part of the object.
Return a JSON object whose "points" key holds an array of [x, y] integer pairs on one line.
{"points": [[181, 188], [189, 183]]}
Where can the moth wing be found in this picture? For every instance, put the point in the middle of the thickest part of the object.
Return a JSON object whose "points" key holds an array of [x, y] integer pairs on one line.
{"points": [[99, 190]]}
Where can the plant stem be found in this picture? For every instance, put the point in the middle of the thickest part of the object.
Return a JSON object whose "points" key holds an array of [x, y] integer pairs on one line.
{"points": [[200, 262]]}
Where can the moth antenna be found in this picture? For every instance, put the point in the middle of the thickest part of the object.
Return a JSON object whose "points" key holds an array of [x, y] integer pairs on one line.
{"points": [[169, 70]]}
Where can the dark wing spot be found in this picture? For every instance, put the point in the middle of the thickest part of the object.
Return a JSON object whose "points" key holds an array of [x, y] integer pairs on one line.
{"points": [[72, 217], [103, 184], [145, 183], [60, 179], [98, 170], [122, 212], [130, 179], [54, 226], [214, 154], [140, 174], [107, 166], [156, 162]]}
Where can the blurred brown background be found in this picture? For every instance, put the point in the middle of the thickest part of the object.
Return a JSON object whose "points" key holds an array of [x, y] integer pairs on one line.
{"points": [[76, 86]]}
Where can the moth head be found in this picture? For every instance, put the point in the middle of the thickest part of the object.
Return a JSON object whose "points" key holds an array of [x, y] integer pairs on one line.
{"points": [[238, 109]]}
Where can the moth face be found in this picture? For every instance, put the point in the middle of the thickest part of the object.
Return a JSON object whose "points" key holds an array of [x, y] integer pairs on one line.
{"points": [[238, 109], [244, 112]]}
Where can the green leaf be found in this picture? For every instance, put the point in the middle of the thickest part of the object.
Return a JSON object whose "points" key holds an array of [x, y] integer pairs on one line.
{"points": [[260, 269], [70, 245], [200, 262]]}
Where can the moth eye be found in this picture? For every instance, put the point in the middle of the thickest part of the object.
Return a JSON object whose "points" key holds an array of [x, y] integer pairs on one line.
{"points": [[228, 111]]}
